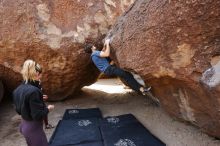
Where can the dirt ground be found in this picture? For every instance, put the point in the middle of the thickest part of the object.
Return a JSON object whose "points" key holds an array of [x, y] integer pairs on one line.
{"points": [[113, 99]]}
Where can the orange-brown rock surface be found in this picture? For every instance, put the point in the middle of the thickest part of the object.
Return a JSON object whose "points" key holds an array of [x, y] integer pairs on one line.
{"points": [[53, 33], [175, 47]]}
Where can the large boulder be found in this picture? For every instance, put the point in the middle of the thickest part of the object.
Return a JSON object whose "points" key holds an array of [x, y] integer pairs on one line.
{"points": [[175, 47], [53, 32]]}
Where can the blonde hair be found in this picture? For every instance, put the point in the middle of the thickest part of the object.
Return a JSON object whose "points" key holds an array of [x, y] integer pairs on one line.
{"points": [[29, 70]]}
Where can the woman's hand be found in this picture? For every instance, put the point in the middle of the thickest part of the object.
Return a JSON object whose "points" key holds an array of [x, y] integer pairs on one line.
{"points": [[50, 107]]}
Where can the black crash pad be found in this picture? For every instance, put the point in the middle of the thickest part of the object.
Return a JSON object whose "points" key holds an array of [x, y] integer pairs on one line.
{"points": [[99, 143], [73, 132], [128, 134], [82, 113]]}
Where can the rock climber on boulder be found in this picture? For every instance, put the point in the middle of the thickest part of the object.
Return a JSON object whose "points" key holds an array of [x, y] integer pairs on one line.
{"points": [[100, 60]]}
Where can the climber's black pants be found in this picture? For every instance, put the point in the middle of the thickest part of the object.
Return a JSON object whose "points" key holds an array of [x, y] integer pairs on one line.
{"points": [[127, 76]]}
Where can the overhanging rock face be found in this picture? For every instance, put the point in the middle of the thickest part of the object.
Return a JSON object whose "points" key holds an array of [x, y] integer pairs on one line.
{"points": [[175, 47], [54, 33]]}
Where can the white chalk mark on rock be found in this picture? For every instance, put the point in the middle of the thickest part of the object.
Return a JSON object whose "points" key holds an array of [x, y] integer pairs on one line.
{"points": [[211, 77], [185, 109]]}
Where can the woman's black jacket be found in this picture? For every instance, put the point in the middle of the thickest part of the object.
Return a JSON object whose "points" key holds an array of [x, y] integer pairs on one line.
{"points": [[28, 100]]}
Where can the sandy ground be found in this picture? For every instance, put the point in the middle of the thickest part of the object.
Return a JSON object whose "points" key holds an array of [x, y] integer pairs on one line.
{"points": [[112, 99]]}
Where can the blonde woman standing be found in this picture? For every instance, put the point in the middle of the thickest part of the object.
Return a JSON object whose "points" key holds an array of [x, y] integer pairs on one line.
{"points": [[28, 100]]}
